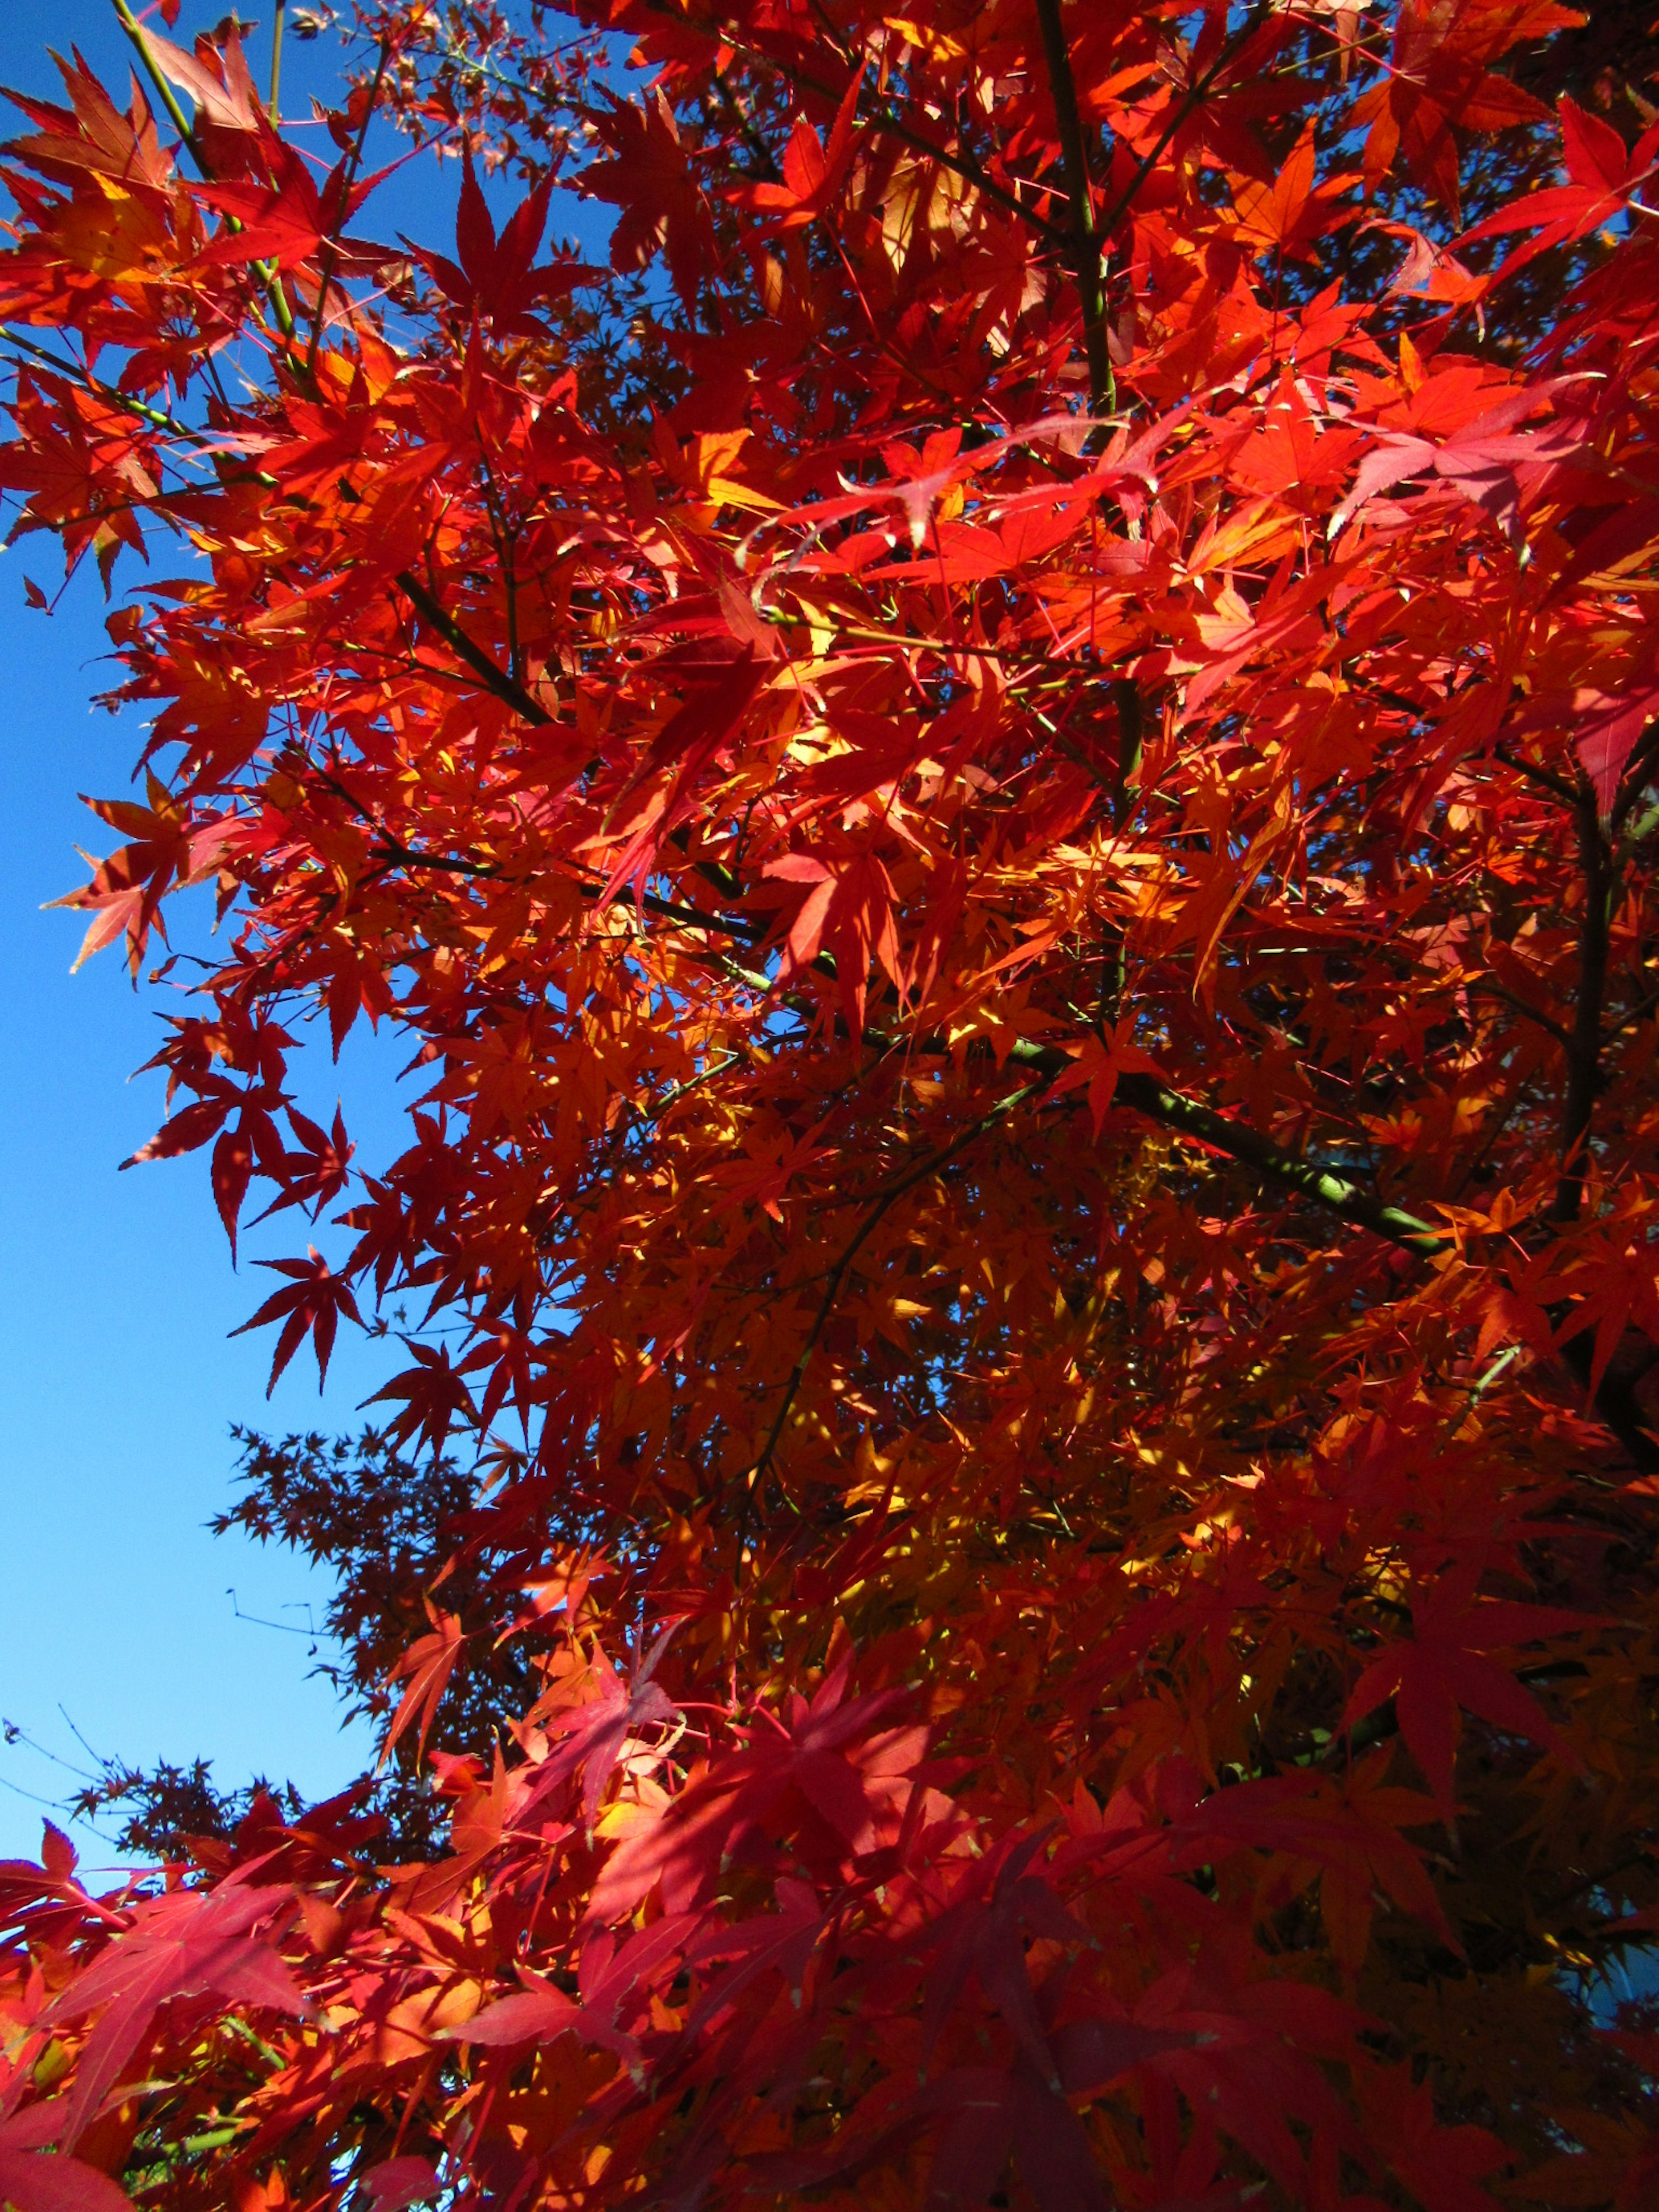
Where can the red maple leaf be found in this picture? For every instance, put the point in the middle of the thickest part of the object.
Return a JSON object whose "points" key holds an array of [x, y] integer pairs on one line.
{"points": [[189, 1943], [1444, 1666], [496, 278], [314, 1300]]}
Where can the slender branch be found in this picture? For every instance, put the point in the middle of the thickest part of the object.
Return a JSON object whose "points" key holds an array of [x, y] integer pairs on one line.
{"points": [[1336, 1193], [1500, 1123], [1086, 244], [767, 171], [270, 277], [277, 59], [1131, 745], [85, 382], [330, 257], [1126, 199], [688, 917], [492, 677], [1585, 1050], [169, 99], [872, 1218], [1638, 1012], [1634, 781], [1490, 990], [882, 118], [395, 855], [1545, 778], [1616, 1399], [1073, 751]]}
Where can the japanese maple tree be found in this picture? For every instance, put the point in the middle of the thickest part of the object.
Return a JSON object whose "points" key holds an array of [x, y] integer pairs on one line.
{"points": [[1003, 784]]}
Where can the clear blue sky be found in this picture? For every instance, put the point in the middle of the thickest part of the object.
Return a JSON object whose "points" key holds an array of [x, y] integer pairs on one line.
{"points": [[118, 1375]]}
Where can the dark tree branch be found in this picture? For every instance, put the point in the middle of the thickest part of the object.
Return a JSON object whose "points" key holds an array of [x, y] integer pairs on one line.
{"points": [[1126, 199], [1584, 1049], [1545, 779], [330, 259], [873, 1216], [882, 117], [489, 673], [1616, 1399], [1490, 990], [1634, 782], [1087, 261]]}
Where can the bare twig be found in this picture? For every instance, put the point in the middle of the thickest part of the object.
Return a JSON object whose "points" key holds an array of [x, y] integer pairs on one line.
{"points": [[1490, 990], [1126, 199], [270, 277], [330, 257]]}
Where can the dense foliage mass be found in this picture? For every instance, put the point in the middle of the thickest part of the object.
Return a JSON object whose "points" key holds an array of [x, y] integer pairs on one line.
{"points": [[1003, 783]]}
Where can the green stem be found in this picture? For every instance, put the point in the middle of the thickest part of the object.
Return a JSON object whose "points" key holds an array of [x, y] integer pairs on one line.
{"points": [[169, 98], [277, 59]]}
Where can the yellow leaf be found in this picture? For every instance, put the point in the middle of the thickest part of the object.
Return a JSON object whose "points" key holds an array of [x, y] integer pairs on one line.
{"points": [[938, 46]]}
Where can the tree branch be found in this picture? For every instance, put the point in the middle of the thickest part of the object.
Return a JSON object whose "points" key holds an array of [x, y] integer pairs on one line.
{"points": [[270, 278], [1616, 1399], [1336, 1193], [850, 1251], [1490, 990], [1631, 784], [1126, 199], [1545, 778], [84, 381], [1086, 244], [1584, 1048], [1638, 1012], [883, 118], [492, 677], [330, 257]]}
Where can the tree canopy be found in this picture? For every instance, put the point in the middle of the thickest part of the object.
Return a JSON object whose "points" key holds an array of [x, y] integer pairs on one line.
{"points": [[1003, 785]]}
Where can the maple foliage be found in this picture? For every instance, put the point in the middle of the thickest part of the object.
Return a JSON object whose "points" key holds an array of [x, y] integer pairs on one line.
{"points": [[1003, 786]]}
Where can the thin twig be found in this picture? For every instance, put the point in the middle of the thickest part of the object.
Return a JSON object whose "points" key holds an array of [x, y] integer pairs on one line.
{"points": [[882, 117], [330, 258], [1126, 199], [86, 382], [1639, 1011], [270, 277], [1490, 990], [872, 1218], [1633, 780]]}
